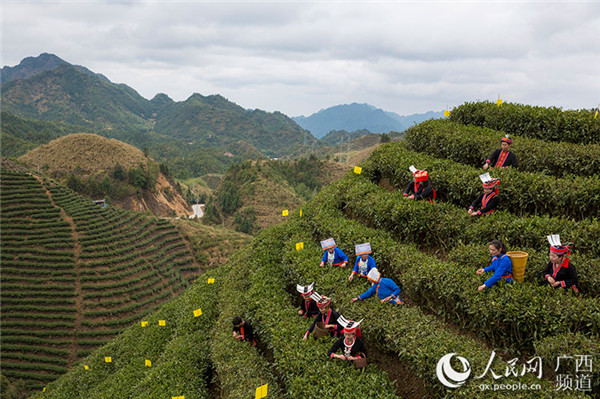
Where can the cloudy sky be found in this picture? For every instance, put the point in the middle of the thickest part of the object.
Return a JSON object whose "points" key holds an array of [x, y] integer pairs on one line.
{"points": [[300, 57]]}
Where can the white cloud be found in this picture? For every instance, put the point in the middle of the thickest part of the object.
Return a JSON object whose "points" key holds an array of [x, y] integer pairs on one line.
{"points": [[300, 57]]}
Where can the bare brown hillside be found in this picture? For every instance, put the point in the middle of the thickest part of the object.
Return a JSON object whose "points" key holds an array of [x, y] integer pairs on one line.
{"points": [[89, 156], [84, 153]]}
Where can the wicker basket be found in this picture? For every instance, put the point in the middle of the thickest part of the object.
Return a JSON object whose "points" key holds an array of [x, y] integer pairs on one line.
{"points": [[320, 330], [360, 362], [518, 260]]}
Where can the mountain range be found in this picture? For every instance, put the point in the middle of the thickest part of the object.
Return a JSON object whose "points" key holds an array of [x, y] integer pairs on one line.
{"points": [[199, 135], [355, 117], [46, 97]]}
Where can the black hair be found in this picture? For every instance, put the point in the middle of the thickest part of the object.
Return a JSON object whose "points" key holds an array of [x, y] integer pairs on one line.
{"points": [[237, 320], [499, 245]]}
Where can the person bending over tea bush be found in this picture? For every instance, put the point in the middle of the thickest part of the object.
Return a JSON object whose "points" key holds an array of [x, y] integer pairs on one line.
{"points": [[385, 288], [242, 331], [308, 306], [326, 321], [353, 348], [501, 265], [420, 187]]}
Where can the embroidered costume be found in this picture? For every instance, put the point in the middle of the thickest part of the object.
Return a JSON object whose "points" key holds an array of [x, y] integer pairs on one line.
{"points": [[501, 158], [383, 287], [352, 346], [487, 203], [308, 306], [419, 188], [245, 332], [337, 258], [329, 317], [565, 272], [363, 267]]}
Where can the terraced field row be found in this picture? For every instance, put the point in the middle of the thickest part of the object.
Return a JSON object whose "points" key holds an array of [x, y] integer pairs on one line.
{"points": [[74, 274], [37, 252]]}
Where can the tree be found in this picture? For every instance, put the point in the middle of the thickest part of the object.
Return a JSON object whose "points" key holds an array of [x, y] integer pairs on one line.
{"points": [[229, 197], [73, 182], [211, 213], [385, 138], [137, 177], [245, 221], [164, 169], [106, 186], [118, 172]]}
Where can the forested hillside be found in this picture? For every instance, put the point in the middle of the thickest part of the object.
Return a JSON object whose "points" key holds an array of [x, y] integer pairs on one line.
{"points": [[203, 134]]}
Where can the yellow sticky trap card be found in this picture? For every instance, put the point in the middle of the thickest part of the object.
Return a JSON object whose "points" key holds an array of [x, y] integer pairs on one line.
{"points": [[299, 246], [108, 359], [44, 390], [144, 324], [596, 114], [148, 363], [499, 102], [357, 170], [285, 212], [178, 397], [197, 312], [162, 323], [261, 391], [301, 209], [446, 114], [86, 367], [211, 281]]}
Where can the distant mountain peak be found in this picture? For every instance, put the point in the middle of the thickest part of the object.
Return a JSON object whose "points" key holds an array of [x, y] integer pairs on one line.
{"points": [[349, 117], [355, 117], [32, 66]]}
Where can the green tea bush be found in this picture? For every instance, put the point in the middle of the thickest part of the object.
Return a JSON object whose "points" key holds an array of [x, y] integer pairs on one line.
{"points": [[471, 145], [420, 340], [551, 124], [522, 193]]}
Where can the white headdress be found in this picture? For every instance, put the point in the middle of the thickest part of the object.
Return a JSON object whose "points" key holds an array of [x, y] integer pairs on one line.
{"points": [[350, 326], [306, 289], [328, 243]]}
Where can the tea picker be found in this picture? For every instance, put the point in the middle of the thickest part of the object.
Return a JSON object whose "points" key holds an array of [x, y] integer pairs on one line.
{"points": [[385, 288], [353, 347], [326, 322], [308, 306], [559, 272], [501, 265], [332, 254], [486, 202], [364, 262], [502, 157], [420, 187], [243, 331]]}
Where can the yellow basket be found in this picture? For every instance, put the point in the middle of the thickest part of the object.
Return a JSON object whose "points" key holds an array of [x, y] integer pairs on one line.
{"points": [[518, 260]]}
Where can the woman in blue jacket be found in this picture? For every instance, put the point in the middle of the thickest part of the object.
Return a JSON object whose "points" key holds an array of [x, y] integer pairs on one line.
{"points": [[333, 255], [501, 265], [364, 262], [385, 288]]}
